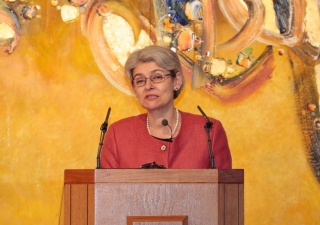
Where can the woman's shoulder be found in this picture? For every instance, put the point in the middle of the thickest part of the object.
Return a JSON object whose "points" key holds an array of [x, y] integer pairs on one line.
{"points": [[196, 117], [130, 120]]}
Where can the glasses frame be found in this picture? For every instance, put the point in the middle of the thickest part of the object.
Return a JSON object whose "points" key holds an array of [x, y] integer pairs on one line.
{"points": [[152, 81]]}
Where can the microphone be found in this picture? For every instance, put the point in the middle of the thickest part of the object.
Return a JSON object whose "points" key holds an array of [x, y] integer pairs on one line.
{"points": [[104, 126], [205, 116], [103, 129], [166, 123], [207, 128]]}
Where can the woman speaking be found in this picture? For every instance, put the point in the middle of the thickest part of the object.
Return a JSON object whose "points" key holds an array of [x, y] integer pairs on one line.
{"points": [[165, 135]]}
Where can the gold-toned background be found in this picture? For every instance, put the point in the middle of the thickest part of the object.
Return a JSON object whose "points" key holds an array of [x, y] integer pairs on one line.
{"points": [[53, 99]]}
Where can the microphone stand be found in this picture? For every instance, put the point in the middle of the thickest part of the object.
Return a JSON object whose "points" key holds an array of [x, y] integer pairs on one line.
{"points": [[208, 127], [103, 129]]}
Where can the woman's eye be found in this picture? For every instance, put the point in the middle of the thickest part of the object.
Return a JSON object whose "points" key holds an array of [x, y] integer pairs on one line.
{"points": [[140, 81], [157, 77]]}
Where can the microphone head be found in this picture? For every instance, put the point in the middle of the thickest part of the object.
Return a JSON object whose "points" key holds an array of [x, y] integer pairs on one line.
{"points": [[165, 122]]}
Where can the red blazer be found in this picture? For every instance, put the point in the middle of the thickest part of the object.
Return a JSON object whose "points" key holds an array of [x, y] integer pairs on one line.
{"points": [[127, 144]]}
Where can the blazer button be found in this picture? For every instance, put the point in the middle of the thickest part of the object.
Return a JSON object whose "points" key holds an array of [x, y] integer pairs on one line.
{"points": [[163, 147]]}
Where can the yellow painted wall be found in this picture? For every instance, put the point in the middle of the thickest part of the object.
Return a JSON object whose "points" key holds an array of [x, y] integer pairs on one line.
{"points": [[53, 99]]}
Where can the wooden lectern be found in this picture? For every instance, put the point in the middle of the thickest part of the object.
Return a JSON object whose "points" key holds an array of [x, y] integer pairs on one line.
{"points": [[153, 196]]}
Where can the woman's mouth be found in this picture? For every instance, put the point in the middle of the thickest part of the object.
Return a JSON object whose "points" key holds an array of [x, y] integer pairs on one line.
{"points": [[151, 97]]}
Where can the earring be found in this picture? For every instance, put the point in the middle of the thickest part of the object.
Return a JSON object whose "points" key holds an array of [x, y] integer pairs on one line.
{"points": [[176, 88]]}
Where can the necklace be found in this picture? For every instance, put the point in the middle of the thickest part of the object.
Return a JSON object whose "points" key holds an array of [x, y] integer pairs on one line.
{"points": [[175, 128]]}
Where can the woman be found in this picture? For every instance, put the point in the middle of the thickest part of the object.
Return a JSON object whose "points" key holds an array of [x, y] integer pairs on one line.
{"points": [[164, 135]]}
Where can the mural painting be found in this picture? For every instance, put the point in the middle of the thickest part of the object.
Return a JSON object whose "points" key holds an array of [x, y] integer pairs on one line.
{"points": [[229, 49]]}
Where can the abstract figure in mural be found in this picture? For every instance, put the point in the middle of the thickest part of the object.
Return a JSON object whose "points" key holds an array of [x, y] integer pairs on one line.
{"points": [[12, 14], [301, 39], [9, 28]]}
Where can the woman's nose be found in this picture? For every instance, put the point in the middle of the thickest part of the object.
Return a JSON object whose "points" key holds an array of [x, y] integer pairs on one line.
{"points": [[149, 84]]}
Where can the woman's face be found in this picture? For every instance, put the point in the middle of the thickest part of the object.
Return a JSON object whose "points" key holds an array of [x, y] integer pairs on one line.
{"points": [[155, 96]]}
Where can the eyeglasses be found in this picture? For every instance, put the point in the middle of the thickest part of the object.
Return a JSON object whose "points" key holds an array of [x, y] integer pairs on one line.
{"points": [[154, 78]]}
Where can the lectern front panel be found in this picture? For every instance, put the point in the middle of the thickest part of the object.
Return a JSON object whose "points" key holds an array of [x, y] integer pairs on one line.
{"points": [[115, 201]]}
